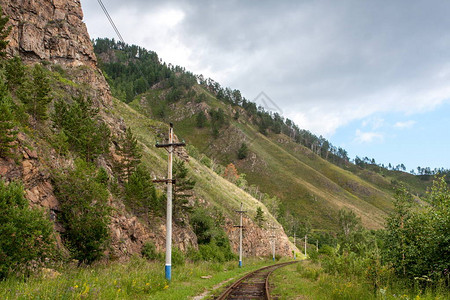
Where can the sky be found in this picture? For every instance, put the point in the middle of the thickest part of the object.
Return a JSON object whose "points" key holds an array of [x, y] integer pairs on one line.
{"points": [[372, 77]]}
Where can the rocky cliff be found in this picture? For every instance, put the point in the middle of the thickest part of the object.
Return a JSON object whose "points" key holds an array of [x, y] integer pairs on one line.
{"points": [[53, 31]]}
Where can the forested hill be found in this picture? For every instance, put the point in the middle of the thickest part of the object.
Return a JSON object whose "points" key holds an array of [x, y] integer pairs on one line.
{"points": [[303, 179]]}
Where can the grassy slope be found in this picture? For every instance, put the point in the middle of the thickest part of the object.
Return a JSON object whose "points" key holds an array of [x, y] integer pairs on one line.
{"points": [[309, 186], [210, 186]]}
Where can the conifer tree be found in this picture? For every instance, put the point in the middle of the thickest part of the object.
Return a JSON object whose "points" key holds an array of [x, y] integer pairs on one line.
{"points": [[200, 119], [259, 218], [183, 187], [4, 32], [140, 193], [131, 152], [86, 134], [15, 73], [36, 94], [243, 151], [7, 132]]}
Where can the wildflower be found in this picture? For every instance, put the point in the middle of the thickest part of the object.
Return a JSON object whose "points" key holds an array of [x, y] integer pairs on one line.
{"points": [[166, 287], [148, 283]]}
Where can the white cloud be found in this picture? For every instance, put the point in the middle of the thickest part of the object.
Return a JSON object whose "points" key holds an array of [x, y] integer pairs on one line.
{"points": [[324, 63], [405, 125], [373, 122], [367, 137]]}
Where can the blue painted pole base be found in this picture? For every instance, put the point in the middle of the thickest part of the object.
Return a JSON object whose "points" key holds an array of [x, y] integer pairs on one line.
{"points": [[273, 258], [168, 272], [240, 264]]}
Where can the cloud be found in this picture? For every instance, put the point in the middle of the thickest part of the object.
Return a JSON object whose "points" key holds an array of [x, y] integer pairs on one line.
{"points": [[324, 63], [373, 122], [405, 125], [367, 137]]}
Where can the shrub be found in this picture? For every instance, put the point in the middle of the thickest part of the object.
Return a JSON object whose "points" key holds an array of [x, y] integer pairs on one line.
{"points": [[178, 258], [26, 234], [309, 272], [85, 211], [214, 244], [149, 252]]}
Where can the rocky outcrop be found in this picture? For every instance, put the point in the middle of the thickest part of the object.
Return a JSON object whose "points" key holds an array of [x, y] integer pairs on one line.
{"points": [[256, 241], [50, 30], [53, 30]]}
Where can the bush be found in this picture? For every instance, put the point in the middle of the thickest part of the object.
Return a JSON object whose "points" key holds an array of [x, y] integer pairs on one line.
{"points": [[214, 244], [178, 258], [85, 211], [149, 252], [26, 234], [309, 272]]}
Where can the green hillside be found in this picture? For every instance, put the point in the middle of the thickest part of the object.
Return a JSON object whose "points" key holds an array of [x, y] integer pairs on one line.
{"points": [[312, 179]]}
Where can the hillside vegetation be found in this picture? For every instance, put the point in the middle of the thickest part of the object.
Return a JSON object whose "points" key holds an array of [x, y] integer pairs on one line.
{"points": [[302, 178]]}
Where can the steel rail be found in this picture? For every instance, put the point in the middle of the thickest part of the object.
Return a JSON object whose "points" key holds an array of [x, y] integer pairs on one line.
{"points": [[225, 294]]}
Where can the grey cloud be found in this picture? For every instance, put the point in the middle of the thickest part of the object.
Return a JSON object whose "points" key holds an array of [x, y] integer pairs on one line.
{"points": [[308, 54]]}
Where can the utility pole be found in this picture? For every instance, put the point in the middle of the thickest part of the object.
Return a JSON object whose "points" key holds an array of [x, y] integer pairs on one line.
{"points": [[272, 239], [317, 245], [306, 240], [240, 234], [169, 147], [294, 245]]}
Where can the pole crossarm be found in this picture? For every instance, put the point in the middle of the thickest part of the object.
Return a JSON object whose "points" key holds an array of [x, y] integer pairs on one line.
{"points": [[165, 180], [170, 145]]}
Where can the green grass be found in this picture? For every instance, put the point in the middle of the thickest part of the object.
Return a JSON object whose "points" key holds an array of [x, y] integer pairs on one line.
{"points": [[307, 280], [136, 279]]}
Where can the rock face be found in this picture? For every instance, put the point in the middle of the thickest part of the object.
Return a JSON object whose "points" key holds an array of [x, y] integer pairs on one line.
{"points": [[53, 30], [256, 241]]}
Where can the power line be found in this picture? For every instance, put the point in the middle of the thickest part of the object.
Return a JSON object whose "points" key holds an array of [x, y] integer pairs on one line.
{"points": [[111, 21]]}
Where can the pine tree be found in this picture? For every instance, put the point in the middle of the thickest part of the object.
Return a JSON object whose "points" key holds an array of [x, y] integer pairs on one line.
{"points": [[36, 94], [7, 132], [259, 218], [140, 193], [86, 134], [183, 187], [243, 151], [15, 73], [200, 119], [131, 152], [4, 32]]}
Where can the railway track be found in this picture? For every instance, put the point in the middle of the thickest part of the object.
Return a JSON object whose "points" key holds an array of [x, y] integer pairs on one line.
{"points": [[254, 285]]}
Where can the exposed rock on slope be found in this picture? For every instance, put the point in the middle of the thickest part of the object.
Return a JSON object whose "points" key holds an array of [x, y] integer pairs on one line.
{"points": [[53, 31]]}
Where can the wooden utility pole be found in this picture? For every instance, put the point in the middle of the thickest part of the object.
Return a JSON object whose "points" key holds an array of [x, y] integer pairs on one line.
{"points": [[295, 246], [240, 234], [306, 240], [169, 147], [272, 239]]}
